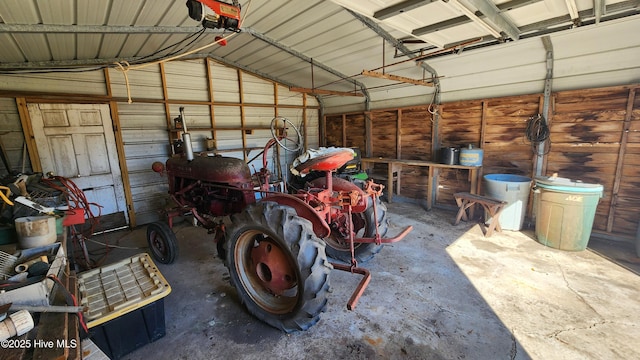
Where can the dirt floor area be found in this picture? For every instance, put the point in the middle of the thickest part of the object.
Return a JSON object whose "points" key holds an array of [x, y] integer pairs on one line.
{"points": [[444, 292]]}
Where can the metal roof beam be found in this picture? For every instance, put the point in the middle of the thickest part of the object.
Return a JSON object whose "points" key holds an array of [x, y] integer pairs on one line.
{"points": [[514, 4], [599, 8], [510, 5], [304, 57], [393, 41], [248, 69], [71, 29], [99, 29], [492, 13], [614, 11], [400, 8], [97, 64], [441, 25], [400, 46]]}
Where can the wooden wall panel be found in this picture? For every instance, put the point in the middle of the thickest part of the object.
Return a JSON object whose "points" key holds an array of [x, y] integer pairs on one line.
{"points": [[594, 137], [415, 145], [451, 181], [505, 144], [384, 133], [460, 124], [333, 133], [355, 131], [626, 212], [414, 182], [586, 133]]}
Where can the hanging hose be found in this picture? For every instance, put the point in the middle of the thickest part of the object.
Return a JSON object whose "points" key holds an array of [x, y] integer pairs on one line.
{"points": [[537, 131], [76, 200]]}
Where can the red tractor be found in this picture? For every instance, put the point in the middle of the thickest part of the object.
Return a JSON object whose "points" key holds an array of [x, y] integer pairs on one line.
{"points": [[276, 247]]}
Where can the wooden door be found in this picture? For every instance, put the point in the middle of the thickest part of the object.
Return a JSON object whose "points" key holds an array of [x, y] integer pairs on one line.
{"points": [[76, 141]]}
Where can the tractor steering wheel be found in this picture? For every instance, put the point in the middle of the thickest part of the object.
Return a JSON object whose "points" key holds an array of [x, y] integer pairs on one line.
{"points": [[280, 133]]}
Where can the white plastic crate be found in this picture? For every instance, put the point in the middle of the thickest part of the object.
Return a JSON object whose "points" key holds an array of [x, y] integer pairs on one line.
{"points": [[116, 289]]}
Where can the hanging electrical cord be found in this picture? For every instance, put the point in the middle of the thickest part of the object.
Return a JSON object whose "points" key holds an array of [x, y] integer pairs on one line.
{"points": [[176, 48], [537, 132], [125, 66], [150, 57]]}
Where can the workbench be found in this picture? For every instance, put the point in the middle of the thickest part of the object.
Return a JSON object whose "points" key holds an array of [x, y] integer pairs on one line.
{"points": [[394, 172]]}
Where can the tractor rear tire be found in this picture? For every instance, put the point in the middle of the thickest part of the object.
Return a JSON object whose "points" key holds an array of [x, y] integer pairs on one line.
{"points": [[338, 249], [163, 244], [278, 266]]}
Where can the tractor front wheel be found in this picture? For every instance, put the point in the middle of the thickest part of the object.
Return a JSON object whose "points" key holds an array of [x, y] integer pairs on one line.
{"points": [[278, 266], [162, 242]]}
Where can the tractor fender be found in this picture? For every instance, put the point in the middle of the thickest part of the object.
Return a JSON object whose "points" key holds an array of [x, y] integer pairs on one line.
{"points": [[340, 184], [320, 226]]}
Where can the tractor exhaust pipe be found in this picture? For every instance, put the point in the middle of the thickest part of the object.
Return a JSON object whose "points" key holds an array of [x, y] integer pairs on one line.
{"points": [[186, 137]]}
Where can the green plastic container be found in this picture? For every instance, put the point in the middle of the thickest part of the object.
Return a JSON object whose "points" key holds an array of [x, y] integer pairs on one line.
{"points": [[565, 210]]}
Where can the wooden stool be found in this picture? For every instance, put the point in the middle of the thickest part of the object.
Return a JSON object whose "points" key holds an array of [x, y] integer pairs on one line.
{"points": [[492, 206]]}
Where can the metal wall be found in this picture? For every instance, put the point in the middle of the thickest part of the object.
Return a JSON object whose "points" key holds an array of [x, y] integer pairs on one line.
{"points": [[80, 82], [11, 139], [220, 102]]}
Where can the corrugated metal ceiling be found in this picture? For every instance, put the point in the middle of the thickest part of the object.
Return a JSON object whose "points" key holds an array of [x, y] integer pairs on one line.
{"points": [[300, 43]]}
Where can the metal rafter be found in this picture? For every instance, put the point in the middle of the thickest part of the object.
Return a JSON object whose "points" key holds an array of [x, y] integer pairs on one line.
{"points": [[395, 42], [96, 29], [400, 46], [599, 9], [400, 8], [441, 25], [492, 13], [460, 20], [572, 8], [475, 18], [99, 29], [306, 58]]}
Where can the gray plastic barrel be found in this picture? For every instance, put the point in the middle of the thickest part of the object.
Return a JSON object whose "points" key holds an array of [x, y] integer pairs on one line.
{"points": [[565, 212], [514, 189]]}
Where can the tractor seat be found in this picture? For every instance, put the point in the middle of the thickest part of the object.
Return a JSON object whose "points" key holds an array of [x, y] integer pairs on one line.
{"points": [[323, 159]]}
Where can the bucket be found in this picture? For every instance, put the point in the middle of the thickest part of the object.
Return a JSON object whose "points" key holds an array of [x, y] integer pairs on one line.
{"points": [[35, 231], [449, 155], [514, 189], [565, 213], [470, 156]]}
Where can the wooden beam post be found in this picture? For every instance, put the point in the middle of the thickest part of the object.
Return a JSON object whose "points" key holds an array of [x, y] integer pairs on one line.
{"points": [[624, 138], [399, 135], [242, 114], [368, 123], [167, 108], [211, 99], [344, 130], [29, 138]]}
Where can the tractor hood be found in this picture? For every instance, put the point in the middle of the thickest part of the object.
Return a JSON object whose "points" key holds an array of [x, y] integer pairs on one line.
{"points": [[217, 169]]}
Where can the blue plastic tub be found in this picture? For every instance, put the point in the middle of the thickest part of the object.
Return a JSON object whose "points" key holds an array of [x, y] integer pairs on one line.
{"points": [[515, 190]]}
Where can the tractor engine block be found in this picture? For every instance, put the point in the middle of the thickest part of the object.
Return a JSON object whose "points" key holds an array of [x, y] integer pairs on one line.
{"points": [[213, 185]]}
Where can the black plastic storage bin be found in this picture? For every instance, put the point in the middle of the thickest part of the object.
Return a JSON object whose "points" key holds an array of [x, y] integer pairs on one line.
{"points": [[128, 332], [124, 304]]}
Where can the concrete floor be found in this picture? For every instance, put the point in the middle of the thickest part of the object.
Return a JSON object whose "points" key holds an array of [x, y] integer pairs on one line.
{"points": [[444, 292]]}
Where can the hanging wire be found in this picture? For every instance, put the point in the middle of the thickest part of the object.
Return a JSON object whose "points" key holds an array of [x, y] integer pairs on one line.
{"points": [[537, 132], [198, 34], [125, 66], [176, 45]]}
